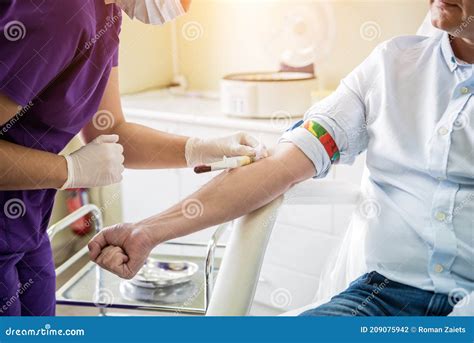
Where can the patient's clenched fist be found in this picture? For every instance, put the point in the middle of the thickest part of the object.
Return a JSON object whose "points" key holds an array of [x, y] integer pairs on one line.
{"points": [[121, 249]]}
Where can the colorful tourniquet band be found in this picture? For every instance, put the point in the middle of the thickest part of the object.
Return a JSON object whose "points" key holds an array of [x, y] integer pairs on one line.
{"points": [[325, 138]]}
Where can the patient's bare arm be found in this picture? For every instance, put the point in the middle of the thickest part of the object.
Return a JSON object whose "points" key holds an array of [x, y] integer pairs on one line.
{"points": [[123, 249], [232, 194]]}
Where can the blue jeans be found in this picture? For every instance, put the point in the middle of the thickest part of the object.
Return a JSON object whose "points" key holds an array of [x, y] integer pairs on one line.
{"points": [[375, 295]]}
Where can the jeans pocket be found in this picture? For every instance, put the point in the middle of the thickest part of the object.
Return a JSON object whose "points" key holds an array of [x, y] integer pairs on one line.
{"points": [[369, 277], [364, 279], [376, 280]]}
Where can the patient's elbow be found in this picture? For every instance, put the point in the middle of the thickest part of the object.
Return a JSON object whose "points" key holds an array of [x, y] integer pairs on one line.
{"points": [[293, 167]]}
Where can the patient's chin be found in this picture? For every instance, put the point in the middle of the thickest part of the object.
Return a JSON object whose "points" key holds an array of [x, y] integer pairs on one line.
{"points": [[445, 24], [449, 21]]}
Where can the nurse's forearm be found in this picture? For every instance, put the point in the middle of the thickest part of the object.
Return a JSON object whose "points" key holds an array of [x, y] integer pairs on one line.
{"points": [[146, 148], [23, 168], [232, 194], [26, 169]]}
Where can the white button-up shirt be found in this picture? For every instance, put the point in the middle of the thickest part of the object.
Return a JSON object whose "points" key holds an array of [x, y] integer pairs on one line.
{"points": [[410, 105]]}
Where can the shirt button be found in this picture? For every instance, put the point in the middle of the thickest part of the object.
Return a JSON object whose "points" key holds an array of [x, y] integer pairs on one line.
{"points": [[465, 90], [438, 268], [442, 131], [440, 216]]}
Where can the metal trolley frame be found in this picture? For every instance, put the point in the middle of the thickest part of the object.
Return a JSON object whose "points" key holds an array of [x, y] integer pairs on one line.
{"points": [[208, 274]]}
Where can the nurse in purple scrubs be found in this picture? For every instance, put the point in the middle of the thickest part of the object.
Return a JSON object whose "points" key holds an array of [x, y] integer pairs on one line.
{"points": [[58, 72]]}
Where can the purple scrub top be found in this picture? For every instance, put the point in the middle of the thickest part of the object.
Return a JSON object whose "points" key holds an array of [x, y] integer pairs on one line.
{"points": [[55, 60]]}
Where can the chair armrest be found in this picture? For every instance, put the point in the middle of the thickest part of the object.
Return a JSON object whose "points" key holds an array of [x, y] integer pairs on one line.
{"points": [[238, 275], [243, 257]]}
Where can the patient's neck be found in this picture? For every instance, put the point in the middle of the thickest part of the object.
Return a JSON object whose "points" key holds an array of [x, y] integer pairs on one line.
{"points": [[463, 49]]}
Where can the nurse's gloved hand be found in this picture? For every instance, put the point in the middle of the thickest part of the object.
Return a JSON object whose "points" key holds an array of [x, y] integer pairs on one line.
{"points": [[208, 150], [121, 249], [99, 163]]}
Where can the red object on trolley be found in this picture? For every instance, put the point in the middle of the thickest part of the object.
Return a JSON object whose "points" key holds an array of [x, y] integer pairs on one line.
{"points": [[76, 198]]}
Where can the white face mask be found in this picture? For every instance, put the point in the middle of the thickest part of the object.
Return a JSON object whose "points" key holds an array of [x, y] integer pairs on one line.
{"points": [[156, 12]]}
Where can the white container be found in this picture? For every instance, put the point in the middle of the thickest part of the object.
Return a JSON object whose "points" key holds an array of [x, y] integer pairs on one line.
{"points": [[267, 95]]}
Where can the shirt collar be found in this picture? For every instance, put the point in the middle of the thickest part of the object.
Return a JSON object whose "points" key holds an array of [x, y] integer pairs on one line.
{"points": [[448, 52]]}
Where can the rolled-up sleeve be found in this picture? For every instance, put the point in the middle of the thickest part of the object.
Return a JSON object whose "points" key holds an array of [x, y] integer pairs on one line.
{"points": [[343, 116]]}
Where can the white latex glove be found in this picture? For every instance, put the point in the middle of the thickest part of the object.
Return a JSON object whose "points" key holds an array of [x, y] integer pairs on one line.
{"points": [[208, 150], [99, 163]]}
